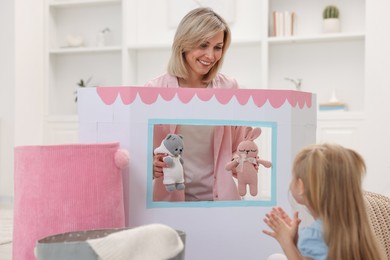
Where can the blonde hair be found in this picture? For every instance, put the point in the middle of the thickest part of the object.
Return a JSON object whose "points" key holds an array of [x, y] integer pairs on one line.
{"points": [[332, 177], [195, 28]]}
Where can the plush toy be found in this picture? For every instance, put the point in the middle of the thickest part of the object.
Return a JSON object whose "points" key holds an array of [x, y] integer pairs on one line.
{"points": [[172, 146], [246, 162]]}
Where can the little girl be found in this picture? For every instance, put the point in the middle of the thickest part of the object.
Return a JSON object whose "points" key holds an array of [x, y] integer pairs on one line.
{"points": [[327, 180]]}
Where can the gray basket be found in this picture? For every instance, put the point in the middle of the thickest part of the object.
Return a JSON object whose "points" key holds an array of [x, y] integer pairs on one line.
{"points": [[73, 245]]}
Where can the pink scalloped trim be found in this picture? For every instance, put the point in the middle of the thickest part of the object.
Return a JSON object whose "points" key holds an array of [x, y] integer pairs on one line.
{"points": [[149, 95]]}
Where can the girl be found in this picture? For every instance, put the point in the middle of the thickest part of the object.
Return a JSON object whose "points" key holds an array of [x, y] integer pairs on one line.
{"points": [[327, 180]]}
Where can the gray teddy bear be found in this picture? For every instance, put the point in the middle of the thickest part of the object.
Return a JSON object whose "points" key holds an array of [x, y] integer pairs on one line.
{"points": [[172, 146]]}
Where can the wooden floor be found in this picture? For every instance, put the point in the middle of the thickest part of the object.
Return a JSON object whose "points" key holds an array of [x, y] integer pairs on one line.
{"points": [[6, 215]]}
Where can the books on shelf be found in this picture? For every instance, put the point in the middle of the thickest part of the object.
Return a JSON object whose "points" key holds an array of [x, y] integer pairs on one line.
{"points": [[333, 106], [283, 23]]}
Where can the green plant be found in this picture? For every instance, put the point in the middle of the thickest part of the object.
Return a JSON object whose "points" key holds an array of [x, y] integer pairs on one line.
{"points": [[82, 84], [331, 11]]}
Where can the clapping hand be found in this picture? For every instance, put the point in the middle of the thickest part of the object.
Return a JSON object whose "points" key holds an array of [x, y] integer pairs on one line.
{"points": [[283, 227]]}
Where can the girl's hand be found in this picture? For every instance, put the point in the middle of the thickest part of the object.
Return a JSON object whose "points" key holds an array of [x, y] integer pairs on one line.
{"points": [[286, 218], [284, 228], [158, 165], [282, 214]]}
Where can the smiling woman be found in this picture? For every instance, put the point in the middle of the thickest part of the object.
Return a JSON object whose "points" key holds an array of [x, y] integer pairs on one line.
{"points": [[200, 44], [198, 49]]}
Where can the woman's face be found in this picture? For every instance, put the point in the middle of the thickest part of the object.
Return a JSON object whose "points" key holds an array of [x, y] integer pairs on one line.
{"points": [[200, 60]]}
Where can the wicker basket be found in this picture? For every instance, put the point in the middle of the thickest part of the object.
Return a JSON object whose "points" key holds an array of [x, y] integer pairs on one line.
{"points": [[378, 208]]}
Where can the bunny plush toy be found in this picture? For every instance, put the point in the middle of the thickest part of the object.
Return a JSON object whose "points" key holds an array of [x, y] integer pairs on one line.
{"points": [[246, 162]]}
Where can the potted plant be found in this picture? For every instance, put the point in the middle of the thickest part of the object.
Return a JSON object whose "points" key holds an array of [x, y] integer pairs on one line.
{"points": [[331, 21], [82, 84]]}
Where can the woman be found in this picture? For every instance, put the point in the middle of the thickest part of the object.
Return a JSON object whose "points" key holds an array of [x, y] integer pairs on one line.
{"points": [[200, 43]]}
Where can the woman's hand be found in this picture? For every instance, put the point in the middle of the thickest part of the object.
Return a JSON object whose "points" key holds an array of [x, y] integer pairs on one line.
{"points": [[158, 165]]}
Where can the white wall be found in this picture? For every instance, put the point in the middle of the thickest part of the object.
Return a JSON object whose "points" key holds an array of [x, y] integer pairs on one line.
{"points": [[21, 75], [6, 99], [377, 127], [29, 57]]}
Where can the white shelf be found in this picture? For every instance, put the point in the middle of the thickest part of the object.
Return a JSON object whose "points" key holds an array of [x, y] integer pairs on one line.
{"points": [[165, 46], [78, 3], [160, 46], [340, 115], [317, 38], [85, 49], [63, 118], [247, 42]]}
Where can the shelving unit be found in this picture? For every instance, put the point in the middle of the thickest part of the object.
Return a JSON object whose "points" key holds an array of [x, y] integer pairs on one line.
{"points": [[139, 47], [325, 62], [66, 65]]}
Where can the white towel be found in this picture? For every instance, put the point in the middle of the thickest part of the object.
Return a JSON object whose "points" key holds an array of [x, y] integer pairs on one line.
{"points": [[152, 242]]}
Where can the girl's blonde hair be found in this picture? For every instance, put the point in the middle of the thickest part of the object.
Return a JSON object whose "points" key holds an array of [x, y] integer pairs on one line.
{"points": [[332, 177], [195, 28]]}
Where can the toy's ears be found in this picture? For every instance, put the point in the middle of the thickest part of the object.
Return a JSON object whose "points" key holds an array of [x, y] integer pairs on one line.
{"points": [[252, 133], [170, 135]]}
